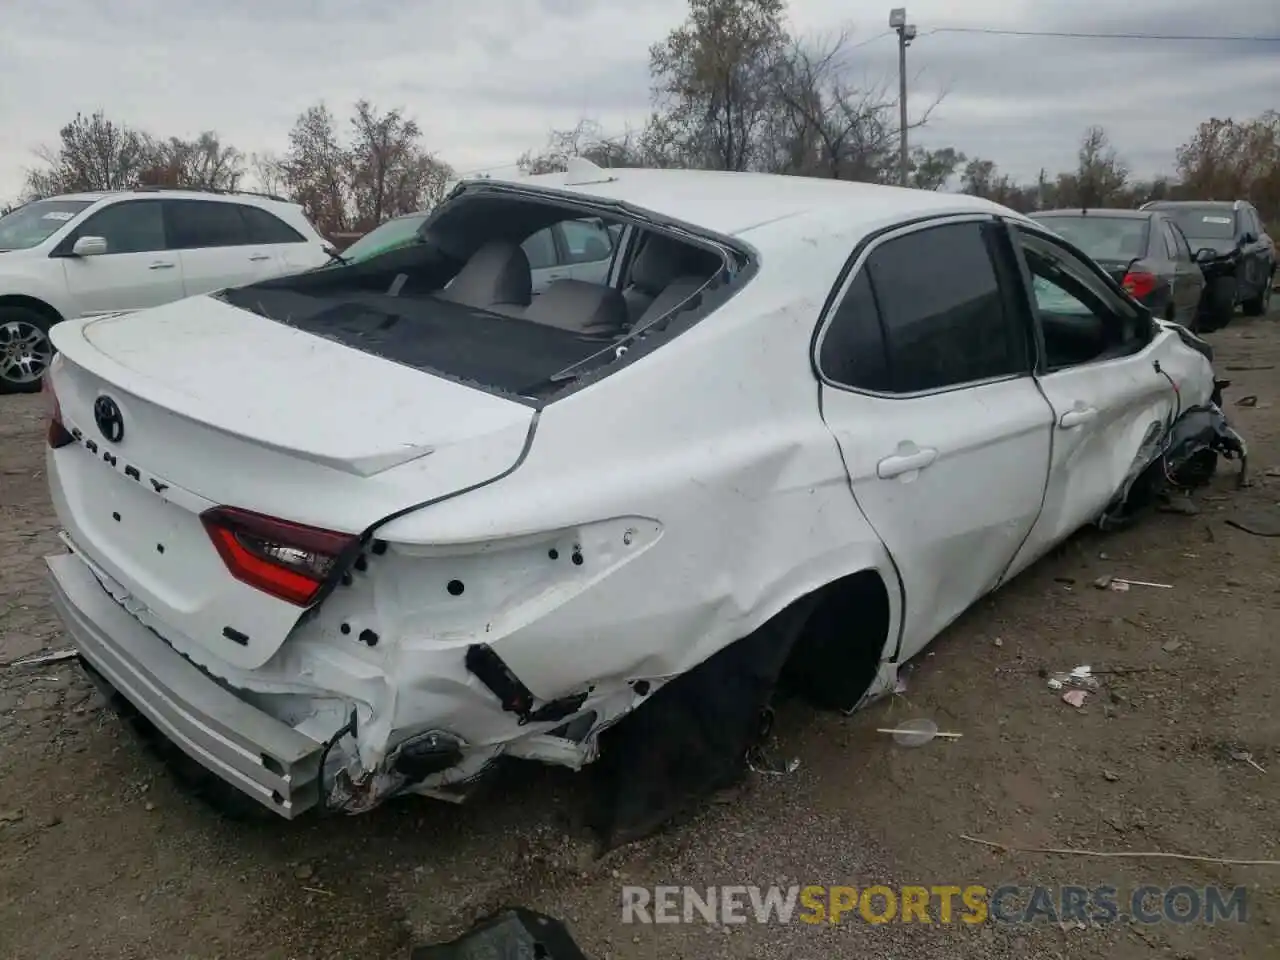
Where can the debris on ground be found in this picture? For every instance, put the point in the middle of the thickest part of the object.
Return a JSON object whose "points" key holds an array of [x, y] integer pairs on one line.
{"points": [[1244, 756], [1260, 523], [1171, 646], [1250, 401], [916, 733], [1120, 584], [1079, 677], [1128, 854], [1075, 697], [517, 934], [56, 657]]}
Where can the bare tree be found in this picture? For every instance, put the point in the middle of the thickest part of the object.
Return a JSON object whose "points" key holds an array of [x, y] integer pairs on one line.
{"points": [[204, 163], [390, 171], [830, 126], [268, 171], [93, 153], [1229, 159], [1100, 178], [712, 78], [316, 167], [933, 169]]}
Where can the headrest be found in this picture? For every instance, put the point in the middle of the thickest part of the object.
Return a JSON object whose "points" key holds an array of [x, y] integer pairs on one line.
{"points": [[497, 273]]}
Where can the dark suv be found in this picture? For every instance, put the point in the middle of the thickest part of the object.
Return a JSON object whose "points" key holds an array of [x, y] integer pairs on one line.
{"points": [[1233, 249]]}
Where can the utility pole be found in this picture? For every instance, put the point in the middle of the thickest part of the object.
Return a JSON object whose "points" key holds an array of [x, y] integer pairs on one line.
{"points": [[906, 33]]}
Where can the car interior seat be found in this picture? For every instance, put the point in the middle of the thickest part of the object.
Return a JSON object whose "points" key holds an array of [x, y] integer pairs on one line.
{"points": [[496, 275]]}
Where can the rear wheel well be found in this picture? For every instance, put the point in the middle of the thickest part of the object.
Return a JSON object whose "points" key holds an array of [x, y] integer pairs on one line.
{"points": [[838, 651], [30, 303]]}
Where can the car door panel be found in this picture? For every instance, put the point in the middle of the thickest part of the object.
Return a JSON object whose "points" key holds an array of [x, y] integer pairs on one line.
{"points": [[136, 272], [213, 243], [1108, 410], [951, 479]]}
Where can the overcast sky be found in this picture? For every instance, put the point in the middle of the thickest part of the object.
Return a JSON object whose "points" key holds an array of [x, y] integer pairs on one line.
{"points": [[486, 80]]}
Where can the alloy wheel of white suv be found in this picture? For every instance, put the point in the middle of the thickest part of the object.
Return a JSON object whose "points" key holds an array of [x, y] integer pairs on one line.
{"points": [[25, 350]]}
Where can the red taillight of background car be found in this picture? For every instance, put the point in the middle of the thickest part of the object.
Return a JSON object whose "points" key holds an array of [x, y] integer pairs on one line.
{"points": [[59, 435], [1139, 283], [286, 560]]}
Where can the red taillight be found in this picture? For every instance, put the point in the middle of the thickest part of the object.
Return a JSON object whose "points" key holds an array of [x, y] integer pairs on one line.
{"points": [[287, 560], [1139, 283], [59, 435]]}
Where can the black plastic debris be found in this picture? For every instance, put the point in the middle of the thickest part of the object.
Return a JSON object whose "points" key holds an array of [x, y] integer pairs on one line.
{"points": [[515, 934], [1188, 457]]}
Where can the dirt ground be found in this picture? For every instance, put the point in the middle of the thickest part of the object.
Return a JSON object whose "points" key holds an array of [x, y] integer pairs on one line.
{"points": [[101, 856]]}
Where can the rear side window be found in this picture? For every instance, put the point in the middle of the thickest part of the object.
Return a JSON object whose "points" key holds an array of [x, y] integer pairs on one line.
{"points": [[853, 350], [194, 224], [925, 312], [1184, 249], [942, 310], [263, 227]]}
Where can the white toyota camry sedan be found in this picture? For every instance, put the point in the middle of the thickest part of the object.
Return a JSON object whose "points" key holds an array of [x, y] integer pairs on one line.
{"points": [[363, 531]]}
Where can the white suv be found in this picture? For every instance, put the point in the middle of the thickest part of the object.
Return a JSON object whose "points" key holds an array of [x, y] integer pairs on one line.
{"points": [[88, 254]]}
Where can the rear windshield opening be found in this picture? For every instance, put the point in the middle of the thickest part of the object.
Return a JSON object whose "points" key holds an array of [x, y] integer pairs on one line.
{"points": [[1103, 238], [515, 294]]}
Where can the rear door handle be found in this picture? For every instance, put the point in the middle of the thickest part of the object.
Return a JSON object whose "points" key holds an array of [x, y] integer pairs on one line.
{"points": [[162, 265], [1077, 417], [908, 460], [259, 256]]}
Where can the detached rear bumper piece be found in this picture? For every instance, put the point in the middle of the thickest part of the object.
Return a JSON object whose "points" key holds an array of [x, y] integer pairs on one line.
{"points": [[254, 752]]}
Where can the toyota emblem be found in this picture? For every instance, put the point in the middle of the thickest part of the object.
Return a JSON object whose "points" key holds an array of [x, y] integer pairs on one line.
{"points": [[106, 413]]}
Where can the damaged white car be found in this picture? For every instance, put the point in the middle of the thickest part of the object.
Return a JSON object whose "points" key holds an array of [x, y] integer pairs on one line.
{"points": [[361, 532]]}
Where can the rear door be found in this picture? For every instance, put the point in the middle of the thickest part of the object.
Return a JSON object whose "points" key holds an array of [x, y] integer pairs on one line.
{"points": [[927, 385], [138, 270], [215, 246], [289, 250], [1096, 371]]}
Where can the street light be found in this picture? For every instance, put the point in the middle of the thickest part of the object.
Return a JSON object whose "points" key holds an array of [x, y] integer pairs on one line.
{"points": [[906, 33]]}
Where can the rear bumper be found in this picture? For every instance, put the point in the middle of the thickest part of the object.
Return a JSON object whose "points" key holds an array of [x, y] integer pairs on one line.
{"points": [[254, 752]]}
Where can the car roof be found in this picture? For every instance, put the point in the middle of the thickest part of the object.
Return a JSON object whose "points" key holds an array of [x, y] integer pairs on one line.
{"points": [[247, 196], [1160, 204], [760, 207], [1110, 213]]}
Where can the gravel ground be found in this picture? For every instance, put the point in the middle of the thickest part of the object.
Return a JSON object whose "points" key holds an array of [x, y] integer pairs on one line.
{"points": [[101, 856]]}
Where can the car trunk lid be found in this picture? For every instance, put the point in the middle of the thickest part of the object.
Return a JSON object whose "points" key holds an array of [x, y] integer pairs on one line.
{"points": [[173, 412]]}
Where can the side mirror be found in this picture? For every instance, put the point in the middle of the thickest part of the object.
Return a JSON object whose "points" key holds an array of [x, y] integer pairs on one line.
{"points": [[89, 247], [1205, 254], [1248, 237]]}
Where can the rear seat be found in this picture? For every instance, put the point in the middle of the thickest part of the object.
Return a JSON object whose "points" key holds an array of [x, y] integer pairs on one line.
{"points": [[587, 308]]}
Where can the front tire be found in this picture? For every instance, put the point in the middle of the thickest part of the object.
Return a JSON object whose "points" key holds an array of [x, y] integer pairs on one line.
{"points": [[25, 349], [1220, 303], [1259, 305]]}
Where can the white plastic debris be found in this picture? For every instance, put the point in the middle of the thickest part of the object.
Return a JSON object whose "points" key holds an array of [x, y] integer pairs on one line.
{"points": [[916, 733]]}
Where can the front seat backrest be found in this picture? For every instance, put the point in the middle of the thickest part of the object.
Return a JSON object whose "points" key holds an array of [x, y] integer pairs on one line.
{"points": [[655, 266], [496, 275], [582, 307]]}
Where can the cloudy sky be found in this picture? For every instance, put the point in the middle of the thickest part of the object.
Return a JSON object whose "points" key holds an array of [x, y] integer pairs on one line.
{"points": [[488, 79]]}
